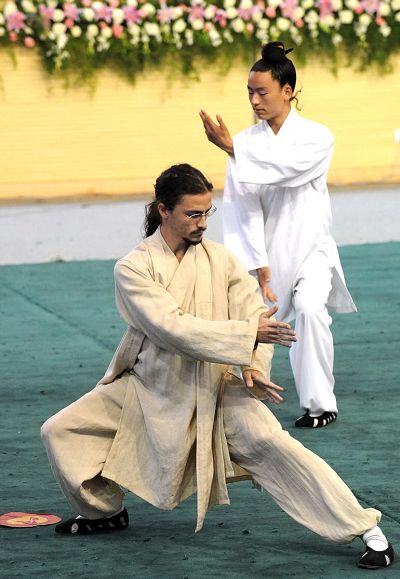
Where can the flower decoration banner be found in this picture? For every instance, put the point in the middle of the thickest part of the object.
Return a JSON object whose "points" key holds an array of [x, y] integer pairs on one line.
{"points": [[131, 35]]}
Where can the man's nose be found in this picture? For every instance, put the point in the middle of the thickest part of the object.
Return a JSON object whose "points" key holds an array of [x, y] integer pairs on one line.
{"points": [[254, 98]]}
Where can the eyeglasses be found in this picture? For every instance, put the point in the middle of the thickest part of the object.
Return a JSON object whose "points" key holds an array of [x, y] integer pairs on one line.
{"points": [[200, 214]]}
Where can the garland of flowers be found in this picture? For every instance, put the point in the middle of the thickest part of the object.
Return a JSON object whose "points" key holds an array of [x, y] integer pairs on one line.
{"points": [[82, 36]]}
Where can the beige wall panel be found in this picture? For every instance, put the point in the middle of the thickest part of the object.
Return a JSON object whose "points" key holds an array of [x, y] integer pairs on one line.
{"points": [[57, 142]]}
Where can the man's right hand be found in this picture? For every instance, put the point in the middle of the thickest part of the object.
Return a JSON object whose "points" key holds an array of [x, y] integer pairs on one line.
{"points": [[273, 332]]}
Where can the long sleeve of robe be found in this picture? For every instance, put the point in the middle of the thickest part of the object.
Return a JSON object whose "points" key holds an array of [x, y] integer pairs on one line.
{"points": [[276, 207], [190, 324]]}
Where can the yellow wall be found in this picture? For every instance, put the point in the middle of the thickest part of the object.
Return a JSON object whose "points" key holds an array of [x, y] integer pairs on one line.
{"points": [[57, 142]]}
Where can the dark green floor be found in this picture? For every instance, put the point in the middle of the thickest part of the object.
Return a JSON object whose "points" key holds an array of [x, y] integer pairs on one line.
{"points": [[58, 330]]}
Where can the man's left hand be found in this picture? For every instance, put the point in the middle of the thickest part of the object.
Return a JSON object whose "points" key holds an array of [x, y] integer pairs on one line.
{"points": [[217, 133], [262, 388]]}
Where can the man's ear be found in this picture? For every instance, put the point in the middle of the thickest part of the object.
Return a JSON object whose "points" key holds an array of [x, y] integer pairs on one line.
{"points": [[162, 210], [287, 91]]}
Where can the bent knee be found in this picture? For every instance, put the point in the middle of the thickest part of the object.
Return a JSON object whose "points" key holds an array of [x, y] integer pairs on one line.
{"points": [[49, 430]]}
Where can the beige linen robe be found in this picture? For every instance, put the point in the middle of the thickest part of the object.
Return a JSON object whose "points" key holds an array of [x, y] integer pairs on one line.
{"points": [[191, 326]]}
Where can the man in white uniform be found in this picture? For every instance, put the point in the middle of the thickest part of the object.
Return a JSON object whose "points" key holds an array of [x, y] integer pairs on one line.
{"points": [[172, 416], [277, 221]]}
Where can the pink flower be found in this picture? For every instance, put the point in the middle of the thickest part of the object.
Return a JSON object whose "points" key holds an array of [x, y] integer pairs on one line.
{"points": [[359, 9], [103, 13], [47, 12], [270, 12], [325, 8], [380, 21], [132, 15], [165, 14], [250, 27], [288, 7], [299, 23], [246, 13], [69, 23], [117, 30], [13, 36], [71, 11], [16, 21], [87, 3], [220, 17], [114, 3], [196, 13], [370, 6], [29, 42], [208, 26]]}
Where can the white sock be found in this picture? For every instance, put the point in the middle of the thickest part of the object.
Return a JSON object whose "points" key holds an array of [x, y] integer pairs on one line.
{"points": [[108, 517], [375, 539]]}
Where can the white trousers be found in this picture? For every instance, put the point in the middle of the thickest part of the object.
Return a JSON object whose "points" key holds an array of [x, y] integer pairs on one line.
{"points": [[78, 440], [311, 357]]}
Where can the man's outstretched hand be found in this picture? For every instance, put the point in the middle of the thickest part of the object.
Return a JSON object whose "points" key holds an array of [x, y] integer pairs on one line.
{"points": [[273, 332], [262, 388], [217, 133]]}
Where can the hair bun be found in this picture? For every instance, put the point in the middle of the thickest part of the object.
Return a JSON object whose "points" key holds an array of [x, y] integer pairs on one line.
{"points": [[274, 52]]}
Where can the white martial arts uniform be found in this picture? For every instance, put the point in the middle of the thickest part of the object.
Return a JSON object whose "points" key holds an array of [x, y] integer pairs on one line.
{"points": [[276, 213]]}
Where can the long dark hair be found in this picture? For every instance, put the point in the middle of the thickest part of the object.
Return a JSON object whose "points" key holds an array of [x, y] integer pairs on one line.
{"points": [[274, 60], [170, 187]]}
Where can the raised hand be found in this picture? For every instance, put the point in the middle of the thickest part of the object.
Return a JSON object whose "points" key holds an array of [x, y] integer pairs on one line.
{"points": [[217, 133]]}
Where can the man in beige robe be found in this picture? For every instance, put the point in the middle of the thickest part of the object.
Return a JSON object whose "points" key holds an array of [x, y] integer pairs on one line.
{"points": [[177, 410]]}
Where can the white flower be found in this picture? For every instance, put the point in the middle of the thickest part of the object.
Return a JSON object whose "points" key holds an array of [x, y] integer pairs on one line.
{"points": [[295, 36], [328, 20], [1, 19], [385, 30], [365, 20], [245, 4], [276, 3], [132, 3], [396, 4], [92, 31], [58, 15], [229, 3], [336, 39], [97, 5], [118, 16], [145, 39], [28, 6], [179, 26], [312, 17], [257, 16], [228, 36], [134, 29], [209, 12], [28, 30], [76, 31], [384, 9], [215, 38], [262, 35], [189, 36], [197, 24], [283, 24], [106, 32], [337, 5], [263, 24], [148, 9], [237, 25], [2, 31], [59, 29], [346, 16], [352, 4], [10, 8], [298, 13], [307, 4], [397, 17], [177, 12], [152, 29], [88, 14], [231, 13]]}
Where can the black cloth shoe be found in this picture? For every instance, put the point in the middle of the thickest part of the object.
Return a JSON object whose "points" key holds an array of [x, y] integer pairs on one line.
{"points": [[307, 421], [82, 526], [375, 559]]}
